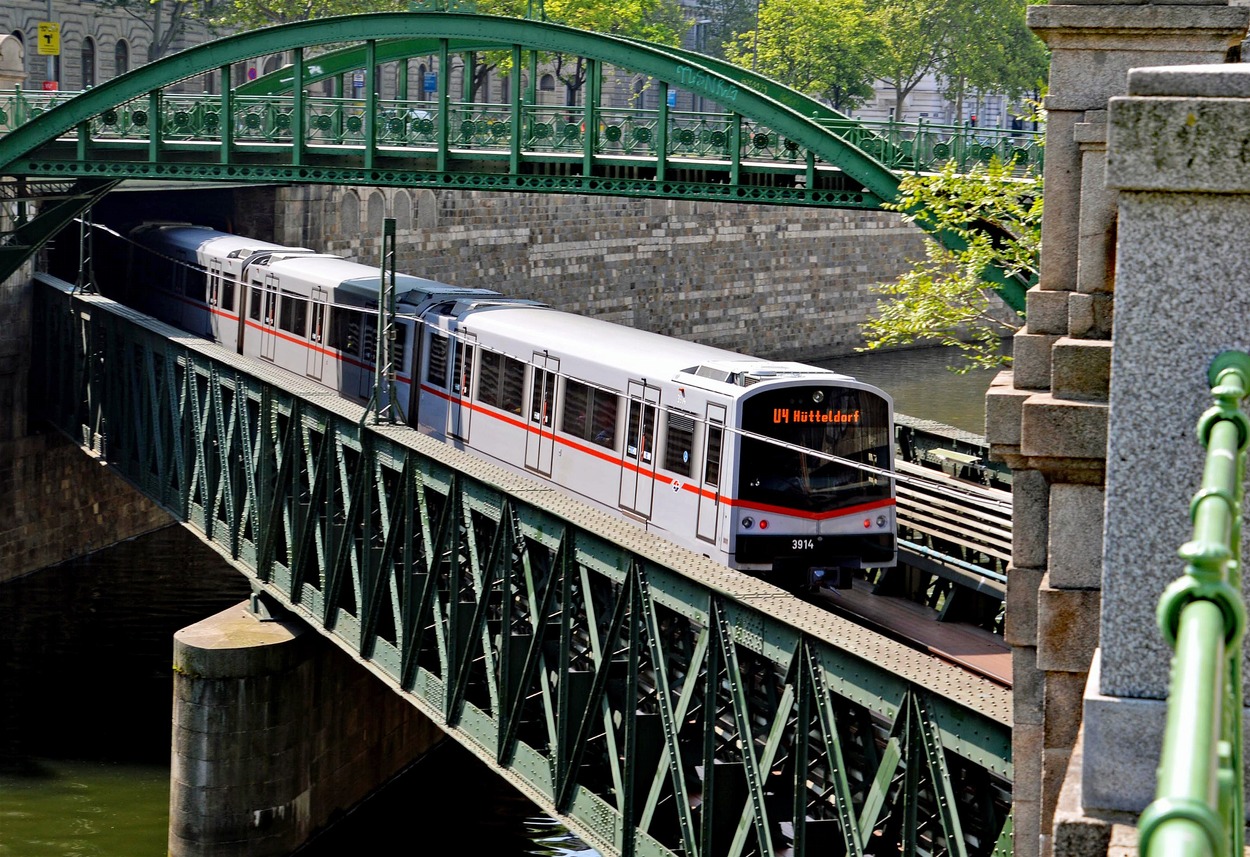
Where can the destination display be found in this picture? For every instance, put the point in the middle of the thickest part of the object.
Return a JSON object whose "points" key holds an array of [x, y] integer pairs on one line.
{"points": [[813, 415]]}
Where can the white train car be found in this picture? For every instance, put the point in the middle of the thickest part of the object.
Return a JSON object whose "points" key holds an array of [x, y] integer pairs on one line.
{"points": [[777, 468]]}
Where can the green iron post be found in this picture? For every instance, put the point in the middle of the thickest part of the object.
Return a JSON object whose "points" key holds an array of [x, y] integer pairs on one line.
{"points": [[385, 395], [1199, 805]]}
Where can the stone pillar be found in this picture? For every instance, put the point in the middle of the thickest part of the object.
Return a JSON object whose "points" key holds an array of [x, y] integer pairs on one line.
{"points": [[1048, 417], [1183, 295], [276, 731]]}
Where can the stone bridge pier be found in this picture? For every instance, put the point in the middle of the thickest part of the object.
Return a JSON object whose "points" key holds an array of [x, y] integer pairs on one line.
{"points": [[1147, 213]]}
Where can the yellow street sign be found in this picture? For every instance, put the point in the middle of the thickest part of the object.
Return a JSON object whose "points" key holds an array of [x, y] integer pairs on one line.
{"points": [[49, 39]]}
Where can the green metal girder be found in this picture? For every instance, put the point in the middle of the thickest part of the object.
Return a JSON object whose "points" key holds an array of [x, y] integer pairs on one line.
{"points": [[25, 240], [503, 32], [392, 35], [345, 60], [613, 681]]}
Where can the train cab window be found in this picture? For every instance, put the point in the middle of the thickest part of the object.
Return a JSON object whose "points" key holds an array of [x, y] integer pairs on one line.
{"points": [[226, 295], [589, 413], [679, 443], [641, 430], [437, 371], [293, 317]]}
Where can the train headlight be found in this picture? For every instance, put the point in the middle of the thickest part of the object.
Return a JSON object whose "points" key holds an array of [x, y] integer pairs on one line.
{"points": [[748, 523], [881, 520], [818, 396]]}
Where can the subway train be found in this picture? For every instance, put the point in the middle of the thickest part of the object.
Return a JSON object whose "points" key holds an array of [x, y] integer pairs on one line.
{"points": [[778, 469]]}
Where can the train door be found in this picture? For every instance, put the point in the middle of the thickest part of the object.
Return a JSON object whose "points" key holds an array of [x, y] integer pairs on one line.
{"points": [[316, 333], [638, 461], [710, 478], [432, 381], [540, 441], [269, 317], [461, 389], [215, 317]]}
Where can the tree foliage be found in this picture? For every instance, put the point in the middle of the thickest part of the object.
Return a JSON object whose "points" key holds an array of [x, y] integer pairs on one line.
{"points": [[165, 20], [991, 49], [243, 14], [822, 48], [659, 21], [997, 214], [914, 38], [722, 21], [833, 49]]}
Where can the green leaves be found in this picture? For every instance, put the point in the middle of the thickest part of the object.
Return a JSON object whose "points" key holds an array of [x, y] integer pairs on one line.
{"points": [[822, 48], [996, 213]]}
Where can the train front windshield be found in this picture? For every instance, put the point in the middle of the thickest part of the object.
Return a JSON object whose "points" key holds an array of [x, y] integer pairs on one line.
{"points": [[848, 423]]}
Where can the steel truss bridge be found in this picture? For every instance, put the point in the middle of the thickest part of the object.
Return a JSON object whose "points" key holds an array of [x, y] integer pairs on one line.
{"points": [[658, 703], [757, 142]]}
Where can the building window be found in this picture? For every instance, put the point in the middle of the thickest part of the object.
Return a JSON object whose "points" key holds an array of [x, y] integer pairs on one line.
{"points": [[547, 83], [88, 62], [121, 58]]}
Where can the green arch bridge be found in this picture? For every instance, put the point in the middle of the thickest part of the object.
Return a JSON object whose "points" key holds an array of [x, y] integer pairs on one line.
{"points": [[760, 142]]}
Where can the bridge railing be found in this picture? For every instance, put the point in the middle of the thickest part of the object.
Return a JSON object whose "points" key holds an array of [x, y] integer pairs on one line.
{"points": [[1199, 806], [626, 131], [923, 146]]}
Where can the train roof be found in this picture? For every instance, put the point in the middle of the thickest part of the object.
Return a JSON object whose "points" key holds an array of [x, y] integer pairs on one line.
{"points": [[354, 283], [588, 346], [191, 239]]}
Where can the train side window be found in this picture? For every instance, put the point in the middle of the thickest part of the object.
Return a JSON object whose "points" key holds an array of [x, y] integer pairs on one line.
{"points": [[254, 310], [489, 376], [589, 413], [226, 298], [576, 409], [196, 285], [462, 381], [603, 418], [500, 381], [711, 461], [399, 346], [294, 315], [437, 371], [344, 329], [679, 443], [370, 347], [513, 385]]}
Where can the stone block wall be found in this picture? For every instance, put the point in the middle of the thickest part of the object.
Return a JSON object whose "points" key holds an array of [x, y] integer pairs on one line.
{"points": [[764, 280]]}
